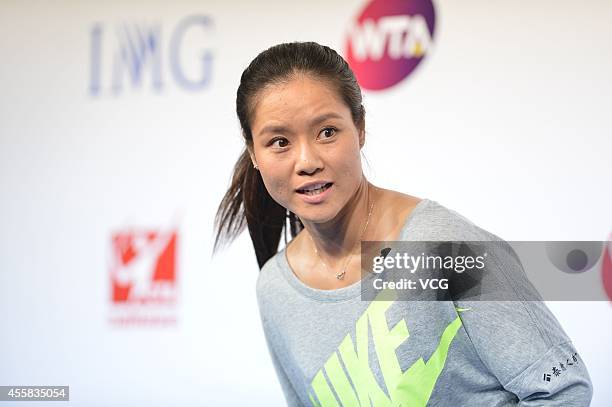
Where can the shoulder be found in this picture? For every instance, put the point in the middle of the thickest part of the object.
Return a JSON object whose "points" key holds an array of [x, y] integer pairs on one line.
{"points": [[426, 219], [432, 220], [269, 277], [267, 271]]}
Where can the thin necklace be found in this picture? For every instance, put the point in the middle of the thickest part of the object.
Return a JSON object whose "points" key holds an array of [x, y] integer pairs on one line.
{"points": [[340, 275]]}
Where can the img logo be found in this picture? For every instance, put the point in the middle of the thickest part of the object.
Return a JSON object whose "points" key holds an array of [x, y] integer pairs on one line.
{"points": [[388, 40], [134, 55]]}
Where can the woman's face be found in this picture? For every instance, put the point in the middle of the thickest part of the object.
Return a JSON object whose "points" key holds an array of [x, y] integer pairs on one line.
{"points": [[303, 132]]}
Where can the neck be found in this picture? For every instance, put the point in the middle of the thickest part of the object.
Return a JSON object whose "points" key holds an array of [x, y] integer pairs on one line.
{"points": [[339, 237]]}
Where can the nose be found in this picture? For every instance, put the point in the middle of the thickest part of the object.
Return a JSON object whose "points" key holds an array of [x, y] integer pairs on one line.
{"points": [[308, 159]]}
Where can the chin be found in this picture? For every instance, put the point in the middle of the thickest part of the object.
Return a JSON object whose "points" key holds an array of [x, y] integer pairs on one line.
{"points": [[316, 214]]}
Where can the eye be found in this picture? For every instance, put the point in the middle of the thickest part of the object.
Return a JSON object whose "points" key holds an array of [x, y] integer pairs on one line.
{"points": [[328, 132], [280, 139]]}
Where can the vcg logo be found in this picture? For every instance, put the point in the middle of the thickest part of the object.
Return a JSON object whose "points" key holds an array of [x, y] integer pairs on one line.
{"points": [[388, 40], [123, 54]]}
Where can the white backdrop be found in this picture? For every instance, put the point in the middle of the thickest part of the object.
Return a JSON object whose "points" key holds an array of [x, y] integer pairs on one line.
{"points": [[504, 120]]}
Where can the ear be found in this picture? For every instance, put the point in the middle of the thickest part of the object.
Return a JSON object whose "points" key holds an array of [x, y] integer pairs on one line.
{"points": [[252, 154], [361, 138]]}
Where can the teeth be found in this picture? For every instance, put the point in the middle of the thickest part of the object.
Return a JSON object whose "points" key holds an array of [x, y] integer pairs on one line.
{"points": [[316, 190], [315, 187]]}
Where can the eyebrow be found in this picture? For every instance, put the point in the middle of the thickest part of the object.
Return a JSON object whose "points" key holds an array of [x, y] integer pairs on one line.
{"points": [[283, 129], [323, 117]]}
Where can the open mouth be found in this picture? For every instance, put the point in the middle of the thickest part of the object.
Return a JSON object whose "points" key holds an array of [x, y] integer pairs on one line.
{"points": [[315, 191]]}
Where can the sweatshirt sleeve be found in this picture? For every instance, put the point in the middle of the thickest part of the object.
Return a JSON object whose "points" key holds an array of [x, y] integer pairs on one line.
{"points": [[291, 396], [263, 292], [522, 343], [289, 392]]}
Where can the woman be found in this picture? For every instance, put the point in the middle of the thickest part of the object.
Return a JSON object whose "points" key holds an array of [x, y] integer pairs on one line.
{"points": [[303, 123]]}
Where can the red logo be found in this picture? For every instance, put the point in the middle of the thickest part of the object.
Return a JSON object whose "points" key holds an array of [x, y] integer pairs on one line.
{"points": [[143, 268]]}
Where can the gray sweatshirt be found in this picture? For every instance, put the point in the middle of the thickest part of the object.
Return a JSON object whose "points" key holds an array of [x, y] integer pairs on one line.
{"points": [[330, 348]]}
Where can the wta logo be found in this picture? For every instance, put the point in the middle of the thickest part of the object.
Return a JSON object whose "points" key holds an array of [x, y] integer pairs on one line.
{"points": [[388, 40]]}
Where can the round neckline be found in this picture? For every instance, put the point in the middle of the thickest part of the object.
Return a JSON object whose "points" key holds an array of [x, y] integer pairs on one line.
{"points": [[337, 294]]}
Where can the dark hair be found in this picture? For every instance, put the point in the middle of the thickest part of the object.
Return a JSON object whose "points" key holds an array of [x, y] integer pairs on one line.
{"points": [[247, 200]]}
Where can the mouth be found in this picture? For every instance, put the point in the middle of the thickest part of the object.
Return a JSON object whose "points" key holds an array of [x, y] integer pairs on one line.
{"points": [[316, 190]]}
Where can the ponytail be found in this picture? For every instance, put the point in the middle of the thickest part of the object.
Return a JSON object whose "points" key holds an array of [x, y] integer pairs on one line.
{"points": [[247, 201]]}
